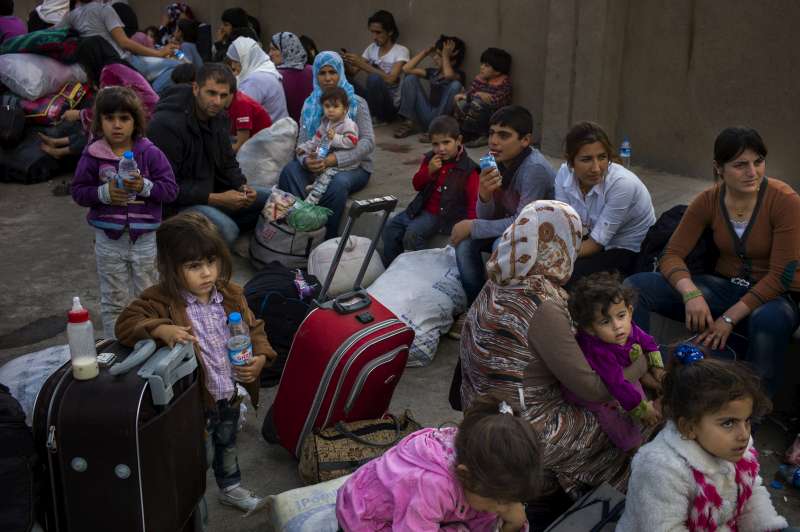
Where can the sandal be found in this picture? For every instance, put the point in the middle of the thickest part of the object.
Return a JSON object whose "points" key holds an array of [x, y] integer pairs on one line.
{"points": [[406, 129], [425, 138]]}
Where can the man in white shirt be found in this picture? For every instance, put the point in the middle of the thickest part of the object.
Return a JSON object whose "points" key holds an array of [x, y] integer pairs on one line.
{"points": [[383, 62]]}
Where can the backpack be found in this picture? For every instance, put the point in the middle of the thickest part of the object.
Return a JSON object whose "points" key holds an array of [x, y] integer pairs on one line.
{"points": [[12, 121], [702, 259], [273, 297], [19, 467]]}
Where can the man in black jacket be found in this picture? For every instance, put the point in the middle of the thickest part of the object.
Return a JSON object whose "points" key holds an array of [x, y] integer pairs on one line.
{"points": [[191, 127]]}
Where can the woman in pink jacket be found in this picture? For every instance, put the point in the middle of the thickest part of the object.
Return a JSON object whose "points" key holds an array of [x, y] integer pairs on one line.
{"points": [[474, 477]]}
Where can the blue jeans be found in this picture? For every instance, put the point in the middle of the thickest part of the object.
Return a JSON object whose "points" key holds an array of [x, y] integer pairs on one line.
{"points": [[415, 105], [157, 70], [379, 98], [471, 267], [222, 424], [294, 179], [403, 233], [230, 223], [768, 328]]}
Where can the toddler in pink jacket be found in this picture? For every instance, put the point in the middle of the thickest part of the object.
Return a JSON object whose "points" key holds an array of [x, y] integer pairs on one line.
{"points": [[474, 477]]}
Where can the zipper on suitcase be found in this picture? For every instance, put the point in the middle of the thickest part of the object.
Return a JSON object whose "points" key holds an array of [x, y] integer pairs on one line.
{"points": [[326, 377], [350, 363], [52, 447], [51, 439], [365, 373]]}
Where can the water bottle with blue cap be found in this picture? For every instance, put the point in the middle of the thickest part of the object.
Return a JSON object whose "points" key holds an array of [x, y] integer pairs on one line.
{"points": [[240, 348], [127, 170]]}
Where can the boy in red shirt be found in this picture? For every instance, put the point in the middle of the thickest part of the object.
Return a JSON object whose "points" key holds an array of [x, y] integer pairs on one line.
{"points": [[447, 182], [247, 117]]}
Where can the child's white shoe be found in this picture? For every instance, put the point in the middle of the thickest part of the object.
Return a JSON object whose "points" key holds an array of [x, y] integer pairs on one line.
{"points": [[241, 498]]}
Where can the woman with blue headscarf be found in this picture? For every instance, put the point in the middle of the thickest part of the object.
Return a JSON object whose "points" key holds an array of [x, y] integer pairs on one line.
{"points": [[299, 173]]}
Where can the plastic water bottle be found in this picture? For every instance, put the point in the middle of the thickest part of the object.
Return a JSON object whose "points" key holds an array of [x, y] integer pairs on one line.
{"points": [[80, 335], [180, 55], [625, 152], [127, 167], [488, 161], [324, 148], [240, 349], [790, 474]]}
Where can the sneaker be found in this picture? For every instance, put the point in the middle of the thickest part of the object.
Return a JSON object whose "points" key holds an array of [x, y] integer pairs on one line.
{"points": [[241, 498], [458, 324], [478, 142]]}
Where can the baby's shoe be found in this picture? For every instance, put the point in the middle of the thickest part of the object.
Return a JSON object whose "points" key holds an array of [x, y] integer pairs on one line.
{"points": [[241, 498]]}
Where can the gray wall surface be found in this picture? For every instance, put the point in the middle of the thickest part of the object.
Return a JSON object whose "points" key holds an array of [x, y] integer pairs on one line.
{"points": [[669, 75]]}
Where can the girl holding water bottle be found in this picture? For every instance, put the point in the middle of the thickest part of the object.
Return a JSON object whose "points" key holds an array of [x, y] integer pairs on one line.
{"points": [[195, 301], [124, 196]]}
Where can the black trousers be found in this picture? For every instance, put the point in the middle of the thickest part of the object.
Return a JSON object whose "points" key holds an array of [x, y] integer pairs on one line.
{"points": [[610, 260]]}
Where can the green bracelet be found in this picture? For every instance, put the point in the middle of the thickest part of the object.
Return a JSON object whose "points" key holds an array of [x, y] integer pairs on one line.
{"points": [[691, 294]]}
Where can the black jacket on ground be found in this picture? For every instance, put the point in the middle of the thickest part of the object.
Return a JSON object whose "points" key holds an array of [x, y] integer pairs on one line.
{"points": [[200, 152]]}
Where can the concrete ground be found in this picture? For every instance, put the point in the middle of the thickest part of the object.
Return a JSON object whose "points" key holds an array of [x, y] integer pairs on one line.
{"points": [[48, 257]]}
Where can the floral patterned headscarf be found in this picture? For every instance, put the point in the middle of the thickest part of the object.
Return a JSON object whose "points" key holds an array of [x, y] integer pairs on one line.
{"points": [[294, 55], [538, 250]]}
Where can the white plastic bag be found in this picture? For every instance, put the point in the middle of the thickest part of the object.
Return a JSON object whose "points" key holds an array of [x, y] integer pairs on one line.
{"points": [[32, 76], [319, 263], [308, 509], [424, 289], [26, 374], [265, 154]]}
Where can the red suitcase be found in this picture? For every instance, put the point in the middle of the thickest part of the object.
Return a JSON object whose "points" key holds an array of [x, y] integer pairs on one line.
{"points": [[346, 357]]}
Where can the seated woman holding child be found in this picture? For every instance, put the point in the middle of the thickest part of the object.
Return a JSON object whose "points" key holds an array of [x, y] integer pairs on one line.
{"points": [[755, 285], [614, 205], [518, 343]]}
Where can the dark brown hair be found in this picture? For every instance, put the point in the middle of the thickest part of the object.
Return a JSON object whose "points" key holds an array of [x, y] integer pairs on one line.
{"points": [[733, 141], [444, 125], [118, 100], [703, 387], [188, 237], [335, 94], [500, 453], [584, 133], [596, 293]]}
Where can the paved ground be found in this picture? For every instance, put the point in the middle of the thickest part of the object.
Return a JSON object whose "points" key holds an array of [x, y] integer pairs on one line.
{"points": [[48, 257]]}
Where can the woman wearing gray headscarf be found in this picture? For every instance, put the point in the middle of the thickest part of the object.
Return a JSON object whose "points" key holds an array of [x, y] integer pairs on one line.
{"points": [[288, 54]]}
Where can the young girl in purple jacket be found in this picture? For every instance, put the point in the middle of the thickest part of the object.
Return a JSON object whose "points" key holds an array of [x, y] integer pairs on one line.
{"points": [[474, 477], [124, 214]]}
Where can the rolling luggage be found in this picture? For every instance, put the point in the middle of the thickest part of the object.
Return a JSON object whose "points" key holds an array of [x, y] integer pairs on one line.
{"points": [[123, 451], [346, 358]]}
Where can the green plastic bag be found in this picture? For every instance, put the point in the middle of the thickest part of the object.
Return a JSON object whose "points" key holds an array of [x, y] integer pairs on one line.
{"points": [[305, 217]]}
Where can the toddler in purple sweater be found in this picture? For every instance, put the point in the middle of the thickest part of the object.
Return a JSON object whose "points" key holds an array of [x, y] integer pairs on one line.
{"points": [[602, 308]]}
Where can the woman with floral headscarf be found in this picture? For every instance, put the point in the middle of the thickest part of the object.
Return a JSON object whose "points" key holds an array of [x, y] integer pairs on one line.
{"points": [[289, 55], [169, 20], [329, 73], [518, 343], [257, 76]]}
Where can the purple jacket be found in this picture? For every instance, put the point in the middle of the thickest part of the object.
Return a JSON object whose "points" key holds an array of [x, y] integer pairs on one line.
{"points": [[98, 165], [609, 361]]}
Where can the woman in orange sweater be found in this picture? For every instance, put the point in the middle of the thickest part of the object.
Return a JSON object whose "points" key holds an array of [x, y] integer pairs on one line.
{"points": [[755, 285]]}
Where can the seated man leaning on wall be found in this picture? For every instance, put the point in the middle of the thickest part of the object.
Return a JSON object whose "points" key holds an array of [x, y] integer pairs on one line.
{"points": [[197, 144], [522, 175]]}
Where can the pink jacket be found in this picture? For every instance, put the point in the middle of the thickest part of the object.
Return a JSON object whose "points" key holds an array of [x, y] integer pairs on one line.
{"points": [[411, 487]]}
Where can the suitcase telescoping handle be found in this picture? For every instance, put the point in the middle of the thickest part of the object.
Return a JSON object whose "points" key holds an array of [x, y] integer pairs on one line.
{"points": [[357, 298]]}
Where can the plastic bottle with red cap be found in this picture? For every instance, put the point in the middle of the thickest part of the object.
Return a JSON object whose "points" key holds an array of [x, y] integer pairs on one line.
{"points": [[80, 335]]}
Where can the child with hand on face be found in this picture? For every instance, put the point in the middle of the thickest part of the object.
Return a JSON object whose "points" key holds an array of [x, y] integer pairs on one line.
{"points": [[447, 186], [603, 310], [124, 213], [489, 91], [701, 472], [474, 477], [336, 132]]}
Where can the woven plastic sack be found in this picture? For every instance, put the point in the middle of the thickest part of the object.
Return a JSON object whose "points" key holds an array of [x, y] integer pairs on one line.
{"points": [[308, 217], [320, 260], [265, 154], [32, 76], [309, 509], [431, 295]]}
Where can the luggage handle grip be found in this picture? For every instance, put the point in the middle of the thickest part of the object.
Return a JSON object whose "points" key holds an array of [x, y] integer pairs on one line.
{"points": [[341, 428], [357, 208], [141, 352], [351, 302]]}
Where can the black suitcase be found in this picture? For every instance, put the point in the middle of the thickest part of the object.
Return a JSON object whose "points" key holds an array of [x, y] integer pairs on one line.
{"points": [[123, 453]]}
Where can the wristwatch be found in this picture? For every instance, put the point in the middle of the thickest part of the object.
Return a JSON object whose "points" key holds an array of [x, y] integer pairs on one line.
{"points": [[727, 320]]}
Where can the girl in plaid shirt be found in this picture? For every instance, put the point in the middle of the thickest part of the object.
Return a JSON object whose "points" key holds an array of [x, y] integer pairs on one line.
{"points": [[191, 304]]}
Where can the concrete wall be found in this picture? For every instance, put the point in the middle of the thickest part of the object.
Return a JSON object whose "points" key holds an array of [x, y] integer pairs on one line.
{"points": [[669, 75]]}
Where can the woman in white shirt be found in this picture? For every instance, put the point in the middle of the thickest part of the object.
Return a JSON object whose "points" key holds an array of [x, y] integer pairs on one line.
{"points": [[613, 204], [383, 62]]}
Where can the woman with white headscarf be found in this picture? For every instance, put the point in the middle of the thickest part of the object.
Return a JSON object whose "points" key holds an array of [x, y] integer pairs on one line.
{"points": [[518, 343], [289, 55], [257, 76]]}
